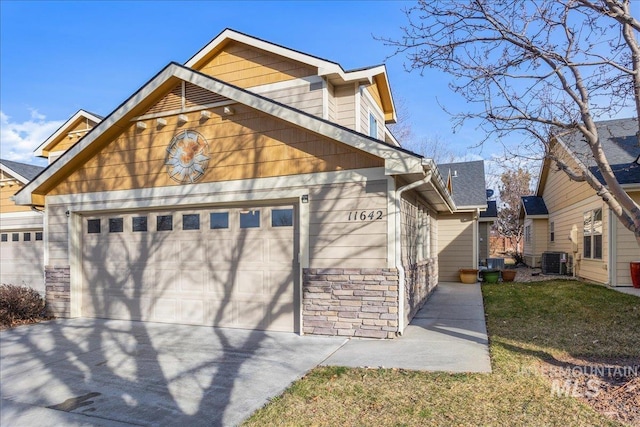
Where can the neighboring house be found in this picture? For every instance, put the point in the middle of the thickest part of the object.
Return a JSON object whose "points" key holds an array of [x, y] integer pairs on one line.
{"points": [[459, 234], [67, 135], [254, 187], [21, 238], [485, 222], [571, 220]]}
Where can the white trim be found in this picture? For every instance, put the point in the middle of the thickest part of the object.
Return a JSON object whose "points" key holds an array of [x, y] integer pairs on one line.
{"points": [[391, 225], [287, 84], [396, 161], [613, 248], [303, 256], [145, 197], [325, 99], [325, 68], [75, 265], [358, 107], [14, 174], [25, 214], [476, 238], [62, 129], [45, 237]]}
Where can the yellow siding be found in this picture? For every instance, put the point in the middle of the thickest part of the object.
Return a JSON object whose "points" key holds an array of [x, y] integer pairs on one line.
{"points": [[78, 129], [375, 94], [246, 145], [627, 250], [455, 245], [246, 66], [560, 192], [7, 191]]}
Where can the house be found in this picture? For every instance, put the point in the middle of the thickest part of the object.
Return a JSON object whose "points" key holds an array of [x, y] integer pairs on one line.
{"points": [[21, 238], [485, 222], [567, 221], [459, 234], [256, 187]]}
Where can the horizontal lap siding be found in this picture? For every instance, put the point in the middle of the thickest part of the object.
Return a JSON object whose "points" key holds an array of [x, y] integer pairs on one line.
{"points": [[246, 66], [455, 245], [627, 250], [335, 240], [560, 192], [299, 97], [6, 204], [366, 107], [27, 221], [58, 235], [64, 142], [344, 98], [245, 146]]}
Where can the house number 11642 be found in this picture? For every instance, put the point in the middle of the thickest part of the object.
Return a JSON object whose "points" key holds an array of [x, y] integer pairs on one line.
{"points": [[365, 215]]}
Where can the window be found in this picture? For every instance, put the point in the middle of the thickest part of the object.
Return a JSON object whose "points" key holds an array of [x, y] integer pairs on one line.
{"points": [[527, 234], [26, 237], [552, 234], [139, 223], [4, 237], [219, 220], [250, 219], [38, 235], [282, 217], [93, 226], [15, 237], [164, 223], [191, 222], [373, 126], [592, 238], [116, 225]]}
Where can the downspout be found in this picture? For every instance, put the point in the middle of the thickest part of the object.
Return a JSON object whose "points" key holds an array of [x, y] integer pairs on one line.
{"points": [[398, 251]]}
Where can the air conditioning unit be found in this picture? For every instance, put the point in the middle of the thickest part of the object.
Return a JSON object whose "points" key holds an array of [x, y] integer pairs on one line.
{"points": [[554, 262]]}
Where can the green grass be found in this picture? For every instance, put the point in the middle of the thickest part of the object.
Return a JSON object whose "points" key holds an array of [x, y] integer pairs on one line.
{"points": [[529, 324]]}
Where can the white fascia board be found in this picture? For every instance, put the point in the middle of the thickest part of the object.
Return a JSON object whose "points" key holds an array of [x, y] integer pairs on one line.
{"points": [[398, 161], [23, 197], [325, 66], [14, 174], [203, 192], [62, 129], [439, 184]]}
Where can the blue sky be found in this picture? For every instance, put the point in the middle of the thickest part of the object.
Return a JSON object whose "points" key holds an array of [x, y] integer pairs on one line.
{"points": [[58, 57]]}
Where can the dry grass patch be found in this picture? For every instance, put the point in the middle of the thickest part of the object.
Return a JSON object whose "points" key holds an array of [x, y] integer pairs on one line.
{"points": [[530, 326]]}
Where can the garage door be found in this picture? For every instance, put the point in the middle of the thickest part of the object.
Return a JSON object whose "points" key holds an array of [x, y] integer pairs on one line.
{"points": [[219, 267], [21, 259]]}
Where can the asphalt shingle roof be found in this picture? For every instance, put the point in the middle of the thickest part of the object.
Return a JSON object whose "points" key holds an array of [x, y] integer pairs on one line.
{"points": [[620, 143], [467, 181], [23, 169], [534, 205]]}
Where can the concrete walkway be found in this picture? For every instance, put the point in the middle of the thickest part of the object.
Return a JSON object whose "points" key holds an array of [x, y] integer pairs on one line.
{"points": [[448, 334], [627, 290]]}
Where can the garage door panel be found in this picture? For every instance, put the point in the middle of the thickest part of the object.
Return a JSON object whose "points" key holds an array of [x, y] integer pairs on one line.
{"points": [[229, 277]]}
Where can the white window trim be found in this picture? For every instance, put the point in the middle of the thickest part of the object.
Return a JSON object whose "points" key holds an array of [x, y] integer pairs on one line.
{"points": [[592, 233]]}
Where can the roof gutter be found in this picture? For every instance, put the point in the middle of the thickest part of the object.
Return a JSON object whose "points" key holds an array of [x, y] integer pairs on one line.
{"points": [[398, 251], [439, 183]]}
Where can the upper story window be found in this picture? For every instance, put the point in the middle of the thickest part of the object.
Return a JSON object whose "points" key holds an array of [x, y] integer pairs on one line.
{"points": [[552, 232], [592, 238], [527, 234], [373, 126]]}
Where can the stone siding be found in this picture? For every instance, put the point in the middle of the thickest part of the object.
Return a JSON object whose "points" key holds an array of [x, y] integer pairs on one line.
{"points": [[420, 280], [354, 302], [58, 290]]}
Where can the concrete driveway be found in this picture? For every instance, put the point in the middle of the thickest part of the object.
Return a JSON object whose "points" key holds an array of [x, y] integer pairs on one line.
{"points": [[79, 372]]}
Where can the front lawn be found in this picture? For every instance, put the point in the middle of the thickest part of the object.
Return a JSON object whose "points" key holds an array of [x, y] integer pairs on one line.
{"points": [[559, 349]]}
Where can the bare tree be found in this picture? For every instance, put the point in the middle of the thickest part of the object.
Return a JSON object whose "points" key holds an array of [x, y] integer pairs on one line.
{"points": [[514, 185], [545, 68], [402, 129]]}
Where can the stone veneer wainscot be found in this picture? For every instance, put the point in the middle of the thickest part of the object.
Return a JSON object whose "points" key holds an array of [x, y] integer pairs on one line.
{"points": [[360, 302], [58, 290]]}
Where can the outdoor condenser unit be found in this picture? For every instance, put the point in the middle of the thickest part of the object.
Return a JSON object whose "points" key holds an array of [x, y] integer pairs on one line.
{"points": [[554, 262]]}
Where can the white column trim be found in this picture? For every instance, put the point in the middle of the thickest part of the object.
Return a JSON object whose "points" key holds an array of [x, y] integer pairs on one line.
{"points": [[75, 264]]}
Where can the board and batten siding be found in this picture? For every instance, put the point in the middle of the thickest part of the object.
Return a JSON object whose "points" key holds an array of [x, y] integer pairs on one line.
{"points": [[247, 145], [455, 245], [345, 101], [627, 249], [246, 66]]}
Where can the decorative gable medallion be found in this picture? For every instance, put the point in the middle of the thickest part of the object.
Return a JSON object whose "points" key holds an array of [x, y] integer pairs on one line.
{"points": [[187, 157]]}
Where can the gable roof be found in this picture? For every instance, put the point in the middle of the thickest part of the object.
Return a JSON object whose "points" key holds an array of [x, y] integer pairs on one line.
{"points": [[21, 171], [468, 186], [491, 212], [62, 130], [329, 69], [619, 140], [397, 160], [534, 206]]}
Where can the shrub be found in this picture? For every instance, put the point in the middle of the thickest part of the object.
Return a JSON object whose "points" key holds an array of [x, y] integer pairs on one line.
{"points": [[19, 304]]}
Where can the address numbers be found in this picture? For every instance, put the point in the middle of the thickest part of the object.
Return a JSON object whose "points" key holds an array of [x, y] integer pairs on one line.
{"points": [[365, 215]]}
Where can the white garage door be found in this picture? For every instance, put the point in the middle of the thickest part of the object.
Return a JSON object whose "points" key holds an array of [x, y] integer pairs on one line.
{"points": [[220, 267], [21, 259]]}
